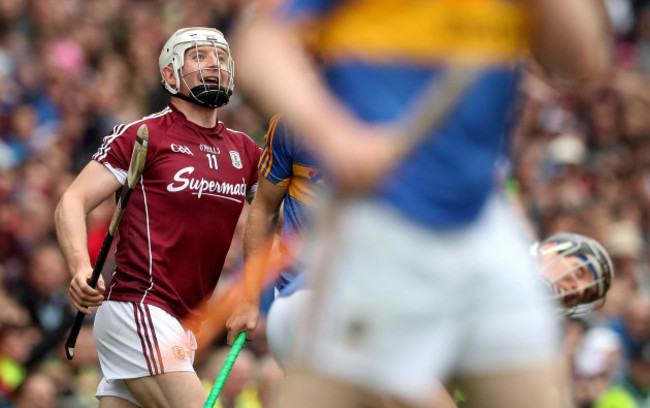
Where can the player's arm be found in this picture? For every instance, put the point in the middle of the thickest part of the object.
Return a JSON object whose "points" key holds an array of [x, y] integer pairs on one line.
{"points": [[570, 39], [260, 229], [279, 72], [258, 238], [93, 185]]}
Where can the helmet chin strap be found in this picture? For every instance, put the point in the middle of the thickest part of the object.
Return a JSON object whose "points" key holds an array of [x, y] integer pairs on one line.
{"points": [[208, 96]]}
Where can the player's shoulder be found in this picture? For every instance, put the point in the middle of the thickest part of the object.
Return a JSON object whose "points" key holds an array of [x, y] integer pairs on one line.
{"points": [[156, 122], [239, 136], [160, 118], [280, 131]]}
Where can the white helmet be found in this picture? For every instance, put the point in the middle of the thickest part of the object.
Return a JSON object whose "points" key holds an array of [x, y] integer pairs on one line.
{"points": [[173, 53], [589, 293]]}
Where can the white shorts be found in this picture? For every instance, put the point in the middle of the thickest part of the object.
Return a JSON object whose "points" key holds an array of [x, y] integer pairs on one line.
{"points": [[137, 340], [403, 307], [282, 322]]}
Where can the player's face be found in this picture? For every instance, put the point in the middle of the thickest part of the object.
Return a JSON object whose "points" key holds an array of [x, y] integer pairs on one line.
{"points": [[573, 280], [207, 65]]}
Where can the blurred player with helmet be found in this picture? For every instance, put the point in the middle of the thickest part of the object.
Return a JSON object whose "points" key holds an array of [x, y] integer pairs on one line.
{"points": [[577, 269]]}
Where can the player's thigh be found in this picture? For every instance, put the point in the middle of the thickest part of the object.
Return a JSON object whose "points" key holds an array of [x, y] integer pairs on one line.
{"points": [[169, 390], [439, 398], [115, 402], [540, 387], [304, 388]]}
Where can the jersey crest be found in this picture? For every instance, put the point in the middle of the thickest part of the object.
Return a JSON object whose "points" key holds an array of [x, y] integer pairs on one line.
{"points": [[236, 160]]}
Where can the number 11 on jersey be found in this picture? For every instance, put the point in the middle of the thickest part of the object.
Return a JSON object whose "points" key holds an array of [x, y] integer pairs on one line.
{"points": [[212, 161]]}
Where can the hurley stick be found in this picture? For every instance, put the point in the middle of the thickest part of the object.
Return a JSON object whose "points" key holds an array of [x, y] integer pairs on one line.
{"points": [[225, 370], [135, 171]]}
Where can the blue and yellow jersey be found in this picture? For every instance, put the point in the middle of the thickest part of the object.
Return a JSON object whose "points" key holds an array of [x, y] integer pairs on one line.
{"points": [[286, 161], [381, 54]]}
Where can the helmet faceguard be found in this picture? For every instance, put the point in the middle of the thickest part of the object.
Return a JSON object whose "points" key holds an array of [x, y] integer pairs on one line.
{"points": [[577, 269], [211, 93]]}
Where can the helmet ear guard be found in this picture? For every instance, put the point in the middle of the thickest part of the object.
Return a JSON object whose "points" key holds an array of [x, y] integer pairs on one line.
{"points": [[173, 54], [592, 256]]}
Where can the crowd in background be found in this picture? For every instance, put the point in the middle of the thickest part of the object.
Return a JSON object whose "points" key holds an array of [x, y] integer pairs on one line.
{"points": [[70, 70]]}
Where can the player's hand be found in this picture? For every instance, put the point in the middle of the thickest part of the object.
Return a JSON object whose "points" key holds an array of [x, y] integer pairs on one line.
{"points": [[82, 296], [243, 319], [365, 158]]}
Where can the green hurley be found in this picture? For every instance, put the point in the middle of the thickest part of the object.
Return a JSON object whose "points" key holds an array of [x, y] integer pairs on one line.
{"points": [[225, 370]]}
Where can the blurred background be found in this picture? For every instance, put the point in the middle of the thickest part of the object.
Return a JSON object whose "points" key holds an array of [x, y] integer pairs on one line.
{"points": [[70, 70]]}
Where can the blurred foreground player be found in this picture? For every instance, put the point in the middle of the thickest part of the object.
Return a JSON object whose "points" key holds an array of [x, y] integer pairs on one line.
{"points": [[421, 272]]}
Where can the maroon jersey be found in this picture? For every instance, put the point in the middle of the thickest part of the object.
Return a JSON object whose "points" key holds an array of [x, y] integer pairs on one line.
{"points": [[177, 228]]}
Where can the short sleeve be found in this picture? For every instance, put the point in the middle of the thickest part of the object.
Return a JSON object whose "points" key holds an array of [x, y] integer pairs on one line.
{"points": [[116, 149], [276, 163]]}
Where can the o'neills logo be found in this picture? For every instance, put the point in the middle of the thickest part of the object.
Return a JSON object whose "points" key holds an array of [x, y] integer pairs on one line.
{"points": [[206, 187]]}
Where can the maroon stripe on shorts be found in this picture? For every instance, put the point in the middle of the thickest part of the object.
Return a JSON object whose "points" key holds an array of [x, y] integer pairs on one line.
{"points": [[147, 328], [140, 334], [155, 339]]}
